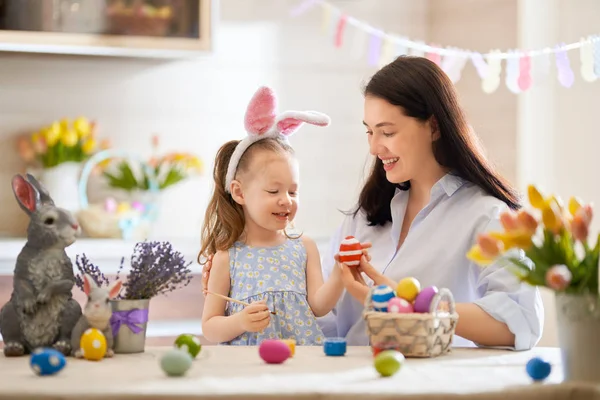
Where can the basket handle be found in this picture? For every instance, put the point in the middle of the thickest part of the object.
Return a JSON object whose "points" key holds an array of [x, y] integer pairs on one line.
{"points": [[443, 294], [126, 224]]}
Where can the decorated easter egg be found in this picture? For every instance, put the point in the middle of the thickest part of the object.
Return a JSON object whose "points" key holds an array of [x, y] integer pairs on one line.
{"points": [[538, 369], [408, 289], [189, 343], [274, 351], [176, 362], [334, 346], [123, 207], [93, 344], [291, 344], [47, 361], [350, 251], [424, 298], [400, 306], [110, 205], [137, 206], [382, 294], [388, 362]]}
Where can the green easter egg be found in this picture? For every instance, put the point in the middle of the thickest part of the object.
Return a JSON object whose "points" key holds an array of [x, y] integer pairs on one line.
{"points": [[189, 343], [388, 362], [175, 362]]}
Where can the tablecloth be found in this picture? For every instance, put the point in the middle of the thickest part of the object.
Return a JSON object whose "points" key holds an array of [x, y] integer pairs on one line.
{"points": [[238, 373]]}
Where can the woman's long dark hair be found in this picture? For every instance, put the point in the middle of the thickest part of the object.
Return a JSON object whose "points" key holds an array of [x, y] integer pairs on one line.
{"points": [[423, 90]]}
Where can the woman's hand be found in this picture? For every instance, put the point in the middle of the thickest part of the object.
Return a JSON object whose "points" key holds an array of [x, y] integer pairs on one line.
{"points": [[206, 274], [354, 281]]}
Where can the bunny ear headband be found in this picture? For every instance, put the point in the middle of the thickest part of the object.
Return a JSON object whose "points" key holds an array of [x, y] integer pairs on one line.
{"points": [[263, 122]]}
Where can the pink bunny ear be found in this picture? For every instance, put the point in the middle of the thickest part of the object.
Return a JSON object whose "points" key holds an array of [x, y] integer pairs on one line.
{"points": [[260, 114], [114, 289], [290, 121]]}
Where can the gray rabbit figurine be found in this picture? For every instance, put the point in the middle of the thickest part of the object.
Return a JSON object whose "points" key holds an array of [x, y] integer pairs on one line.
{"points": [[96, 314], [41, 311]]}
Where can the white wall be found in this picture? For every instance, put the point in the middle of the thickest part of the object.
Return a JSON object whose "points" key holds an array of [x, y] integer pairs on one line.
{"points": [[557, 125], [198, 105]]}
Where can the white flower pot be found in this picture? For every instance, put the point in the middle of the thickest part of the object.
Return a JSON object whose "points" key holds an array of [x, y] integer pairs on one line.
{"points": [[578, 318], [62, 183]]}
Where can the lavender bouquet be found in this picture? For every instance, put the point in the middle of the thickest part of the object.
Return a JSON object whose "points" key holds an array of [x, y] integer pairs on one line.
{"points": [[155, 269]]}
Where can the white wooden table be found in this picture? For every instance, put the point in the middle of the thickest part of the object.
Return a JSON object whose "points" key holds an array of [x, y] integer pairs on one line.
{"points": [[238, 372]]}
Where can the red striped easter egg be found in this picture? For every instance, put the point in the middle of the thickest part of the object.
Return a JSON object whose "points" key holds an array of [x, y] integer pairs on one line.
{"points": [[350, 251]]}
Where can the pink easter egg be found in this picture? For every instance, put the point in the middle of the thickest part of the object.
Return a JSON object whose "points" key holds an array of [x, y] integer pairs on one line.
{"points": [[424, 298], [274, 351], [138, 206], [400, 306], [110, 205]]}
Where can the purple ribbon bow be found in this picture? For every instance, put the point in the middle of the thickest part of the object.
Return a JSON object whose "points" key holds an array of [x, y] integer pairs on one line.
{"points": [[130, 318]]}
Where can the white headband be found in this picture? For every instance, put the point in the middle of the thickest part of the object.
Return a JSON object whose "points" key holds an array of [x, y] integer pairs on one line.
{"points": [[263, 122]]}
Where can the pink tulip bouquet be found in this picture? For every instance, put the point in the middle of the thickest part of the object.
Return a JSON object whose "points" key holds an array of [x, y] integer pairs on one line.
{"points": [[553, 237]]}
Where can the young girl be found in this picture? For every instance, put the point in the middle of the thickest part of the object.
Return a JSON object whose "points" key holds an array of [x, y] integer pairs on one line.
{"points": [[255, 260]]}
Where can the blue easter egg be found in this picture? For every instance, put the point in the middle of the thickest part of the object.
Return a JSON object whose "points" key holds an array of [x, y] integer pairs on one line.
{"points": [[47, 361], [382, 294], [538, 369]]}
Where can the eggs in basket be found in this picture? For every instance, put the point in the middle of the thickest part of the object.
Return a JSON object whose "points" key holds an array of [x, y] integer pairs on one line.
{"points": [[418, 322]]}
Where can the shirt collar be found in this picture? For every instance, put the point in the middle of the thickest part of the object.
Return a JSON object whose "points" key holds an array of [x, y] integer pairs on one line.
{"points": [[448, 185]]}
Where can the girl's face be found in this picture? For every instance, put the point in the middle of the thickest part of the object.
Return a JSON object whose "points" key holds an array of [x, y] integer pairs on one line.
{"points": [[404, 144], [268, 191]]}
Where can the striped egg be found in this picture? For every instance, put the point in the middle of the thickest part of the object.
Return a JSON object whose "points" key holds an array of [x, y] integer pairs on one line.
{"points": [[382, 294], [350, 251]]}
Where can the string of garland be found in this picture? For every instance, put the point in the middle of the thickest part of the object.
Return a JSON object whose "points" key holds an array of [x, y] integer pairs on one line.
{"points": [[522, 67]]}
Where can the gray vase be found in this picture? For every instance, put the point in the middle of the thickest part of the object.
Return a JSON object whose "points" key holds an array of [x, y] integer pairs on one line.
{"points": [[131, 334], [578, 318]]}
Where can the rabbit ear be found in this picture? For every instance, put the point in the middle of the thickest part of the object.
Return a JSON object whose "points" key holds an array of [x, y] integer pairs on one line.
{"points": [[26, 194], [260, 114], [44, 195], [88, 284], [114, 288], [290, 121]]}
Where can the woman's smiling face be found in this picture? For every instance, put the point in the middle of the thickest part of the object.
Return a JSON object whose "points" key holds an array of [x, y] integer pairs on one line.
{"points": [[402, 143]]}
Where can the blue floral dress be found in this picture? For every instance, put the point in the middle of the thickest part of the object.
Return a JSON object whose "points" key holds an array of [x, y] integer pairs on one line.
{"points": [[278, 275]]}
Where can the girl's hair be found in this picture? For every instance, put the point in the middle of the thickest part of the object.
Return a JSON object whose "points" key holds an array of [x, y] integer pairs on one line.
{"points": [[423, 91], [224, 220]]}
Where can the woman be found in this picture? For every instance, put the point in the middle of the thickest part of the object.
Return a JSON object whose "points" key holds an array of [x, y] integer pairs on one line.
{"points": [[430, 193]]}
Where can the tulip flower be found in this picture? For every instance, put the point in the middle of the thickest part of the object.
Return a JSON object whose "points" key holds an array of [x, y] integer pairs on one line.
{"points": [[558, 277]]}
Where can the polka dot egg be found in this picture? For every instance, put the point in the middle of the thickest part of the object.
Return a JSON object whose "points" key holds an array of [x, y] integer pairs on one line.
{"points": [[382, 294], [47, 361], [93, 344], [400, 306]]}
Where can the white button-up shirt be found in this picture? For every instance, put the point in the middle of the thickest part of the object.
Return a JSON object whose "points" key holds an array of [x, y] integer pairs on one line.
{"points": [[434, 252]]}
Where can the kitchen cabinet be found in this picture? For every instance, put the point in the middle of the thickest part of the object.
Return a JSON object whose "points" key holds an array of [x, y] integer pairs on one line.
{"points": [[136, 28]]}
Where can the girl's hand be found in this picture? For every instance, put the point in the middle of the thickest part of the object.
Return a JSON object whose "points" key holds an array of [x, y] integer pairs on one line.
{"points": [[206, 274], [255, 317]]}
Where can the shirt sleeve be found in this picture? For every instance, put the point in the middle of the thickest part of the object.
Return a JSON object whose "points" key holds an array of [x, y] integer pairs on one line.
{"points": [[517, 304]]}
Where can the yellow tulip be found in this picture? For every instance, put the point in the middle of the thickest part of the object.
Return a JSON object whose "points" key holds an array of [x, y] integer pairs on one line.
{"points": [[88, 146], [551, 218], [69, 138], [35, 138], [64, 124], [476, 255], [535, 198], [83, 127], [520, 239], [574, 205], [52, 135]]}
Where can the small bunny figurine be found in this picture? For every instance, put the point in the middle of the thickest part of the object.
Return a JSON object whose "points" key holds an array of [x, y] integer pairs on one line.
{"points": [[41, 311], [96, 314]]}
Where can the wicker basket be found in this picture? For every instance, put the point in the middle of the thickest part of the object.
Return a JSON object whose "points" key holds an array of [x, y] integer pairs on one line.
{"points": [[416, 334], [97, 223]]}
